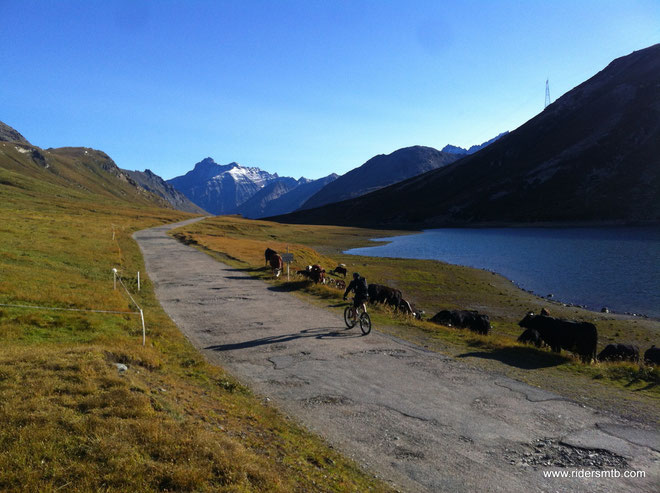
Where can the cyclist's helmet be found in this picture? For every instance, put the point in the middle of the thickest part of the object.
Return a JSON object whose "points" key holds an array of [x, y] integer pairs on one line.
{"points": [[356, 275]]}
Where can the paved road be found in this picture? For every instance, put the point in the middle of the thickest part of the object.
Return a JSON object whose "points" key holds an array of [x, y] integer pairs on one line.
{"points": [[422, 421]]}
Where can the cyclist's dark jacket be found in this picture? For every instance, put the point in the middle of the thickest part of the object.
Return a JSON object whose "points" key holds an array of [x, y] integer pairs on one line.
{"points": [[360, 287]]}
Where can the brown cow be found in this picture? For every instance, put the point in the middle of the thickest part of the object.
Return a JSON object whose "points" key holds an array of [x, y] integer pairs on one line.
{"points": [[317, 274], [268, 254], [276, 264]]}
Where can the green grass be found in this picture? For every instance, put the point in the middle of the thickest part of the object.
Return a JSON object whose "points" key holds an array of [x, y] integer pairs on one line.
{"points": [[628, 388], [69, 420]]}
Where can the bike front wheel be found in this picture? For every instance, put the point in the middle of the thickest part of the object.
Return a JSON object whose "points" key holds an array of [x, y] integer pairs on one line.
{"points": [[365, 323], [348, 317]]}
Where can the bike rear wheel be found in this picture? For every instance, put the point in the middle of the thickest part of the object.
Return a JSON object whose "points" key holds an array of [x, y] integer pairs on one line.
{"points": [[348, 317], [365, 323]]}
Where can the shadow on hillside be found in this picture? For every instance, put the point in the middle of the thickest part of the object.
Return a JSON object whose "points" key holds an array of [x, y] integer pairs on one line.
{"points": [[520, 357], [247, 269], [289, 286], [317, 333]]}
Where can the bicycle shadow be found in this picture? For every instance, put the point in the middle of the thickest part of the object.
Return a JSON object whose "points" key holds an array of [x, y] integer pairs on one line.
{"points": [[316, 333]]}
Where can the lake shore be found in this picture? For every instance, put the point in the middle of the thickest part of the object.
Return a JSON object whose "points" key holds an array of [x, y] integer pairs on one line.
{"points": [[526, 256]]}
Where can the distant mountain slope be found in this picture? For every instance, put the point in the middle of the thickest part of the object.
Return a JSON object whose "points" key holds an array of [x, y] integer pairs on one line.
{"points": [[475, 148], [593, 155], [220, 189], [256, 205], [8, 134], [156, 185], [282, 196], [381, 171], [73, 172], [295, 198]]}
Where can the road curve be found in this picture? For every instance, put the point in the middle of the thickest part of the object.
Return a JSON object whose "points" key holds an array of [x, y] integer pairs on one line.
{"points": [[418, 419]]}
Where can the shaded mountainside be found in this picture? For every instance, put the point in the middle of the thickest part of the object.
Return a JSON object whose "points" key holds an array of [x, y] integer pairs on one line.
{"points": [[381, 171], [156, 185], [8, 134], [592, 156], [220, 189], [70, 172], [283, 196]]}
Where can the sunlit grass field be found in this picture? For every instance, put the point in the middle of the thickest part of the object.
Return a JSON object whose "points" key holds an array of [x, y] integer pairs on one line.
{"points": [[628, 388], [70, 420]]}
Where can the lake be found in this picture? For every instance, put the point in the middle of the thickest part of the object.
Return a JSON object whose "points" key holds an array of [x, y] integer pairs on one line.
{"points": [[618, 268]]}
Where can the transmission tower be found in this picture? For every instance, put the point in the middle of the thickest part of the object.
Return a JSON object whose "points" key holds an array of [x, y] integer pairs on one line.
{"points": [[547, 93]]}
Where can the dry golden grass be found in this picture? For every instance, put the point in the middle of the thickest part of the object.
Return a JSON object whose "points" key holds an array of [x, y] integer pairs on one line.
{"points": [[69, 419]]}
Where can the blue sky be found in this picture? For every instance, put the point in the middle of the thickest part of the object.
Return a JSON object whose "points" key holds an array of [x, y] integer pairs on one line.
{"points": [[296, 87]]}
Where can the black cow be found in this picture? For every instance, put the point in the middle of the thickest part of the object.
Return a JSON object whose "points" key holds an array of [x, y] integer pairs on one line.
{"points": [[652, 355], [340, 269], [619, 352], [268, 254], [384, 294], [464, 319], [531, 336], [578, 337]]}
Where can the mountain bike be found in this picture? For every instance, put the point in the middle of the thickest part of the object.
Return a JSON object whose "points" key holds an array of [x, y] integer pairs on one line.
{"points": [[350, 318]]}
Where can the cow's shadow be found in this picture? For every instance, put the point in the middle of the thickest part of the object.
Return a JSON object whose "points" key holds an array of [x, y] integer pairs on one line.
{"points": [[521, 357], [316, 333]]}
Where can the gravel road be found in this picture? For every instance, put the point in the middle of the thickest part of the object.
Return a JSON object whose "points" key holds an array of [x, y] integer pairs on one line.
{"points": [[418, 419]]}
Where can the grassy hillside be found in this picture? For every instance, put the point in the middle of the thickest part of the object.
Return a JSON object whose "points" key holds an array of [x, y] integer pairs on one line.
{"points": [[70, 420], [627, 388]]}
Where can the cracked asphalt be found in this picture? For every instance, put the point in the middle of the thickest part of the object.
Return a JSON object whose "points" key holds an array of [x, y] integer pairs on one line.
{"points": [[417, 419]]}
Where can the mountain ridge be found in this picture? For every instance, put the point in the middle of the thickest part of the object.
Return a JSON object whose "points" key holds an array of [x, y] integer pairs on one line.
{"points": [[221, 189], [9, 134], [380, 171], [280, 198], [452, 149], [153, 183], [591, 156]]}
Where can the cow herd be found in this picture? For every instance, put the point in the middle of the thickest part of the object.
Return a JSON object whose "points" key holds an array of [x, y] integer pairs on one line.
{"points": [[580, 338]]}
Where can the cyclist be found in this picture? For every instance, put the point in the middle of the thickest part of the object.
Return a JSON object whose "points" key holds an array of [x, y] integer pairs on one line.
{"points": [[359, 285]]}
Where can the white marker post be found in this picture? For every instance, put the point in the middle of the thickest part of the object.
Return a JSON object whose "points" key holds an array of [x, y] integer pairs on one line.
{"points": [[114, 278], [144, 330]]}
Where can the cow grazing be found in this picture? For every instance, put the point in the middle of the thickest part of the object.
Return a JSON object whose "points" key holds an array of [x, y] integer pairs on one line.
{"points": [[652, 356], [410, 309], [339, 270], [317, 274], [578, 337], [619, 352], [268, 254], [464, 319], [384, 294], [276, 264], [531, 336]]}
